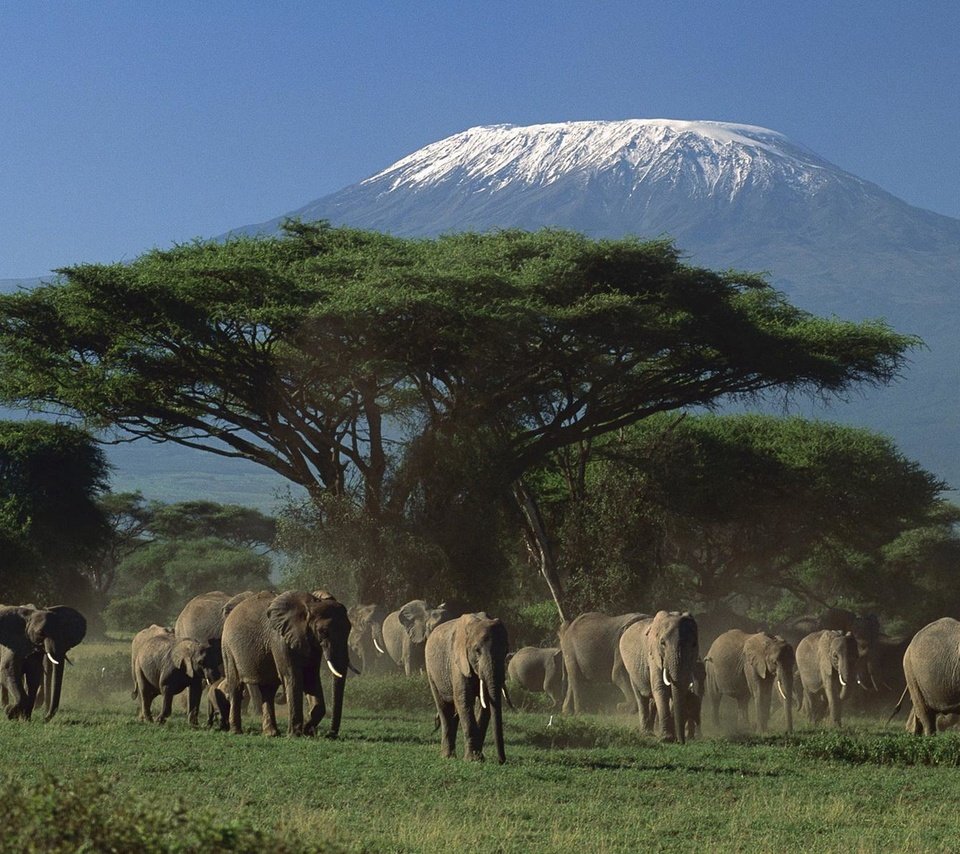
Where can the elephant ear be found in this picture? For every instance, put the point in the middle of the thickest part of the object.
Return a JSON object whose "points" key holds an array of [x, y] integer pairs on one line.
{"points": [[184, 656], [413, 617], [71, 625], [460, 643], [755, 661], [290, 618]]}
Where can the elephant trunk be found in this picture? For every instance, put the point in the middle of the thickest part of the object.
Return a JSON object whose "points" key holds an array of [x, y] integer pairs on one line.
{"points": [[678, 697], [844, 680], [492, 673], [338, 660], [785, 687], [55, 683]]}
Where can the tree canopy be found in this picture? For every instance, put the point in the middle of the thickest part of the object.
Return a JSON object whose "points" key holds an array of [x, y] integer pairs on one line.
{"points": [[50, 522], [350, 362], [748, 508]]}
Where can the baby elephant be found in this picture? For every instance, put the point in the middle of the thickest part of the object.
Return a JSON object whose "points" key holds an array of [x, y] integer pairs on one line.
{"points": [[163, 665], [538, 669]]}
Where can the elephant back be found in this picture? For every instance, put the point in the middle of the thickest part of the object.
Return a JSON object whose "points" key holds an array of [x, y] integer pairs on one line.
{"points": [[591, 642], [202, 617]]}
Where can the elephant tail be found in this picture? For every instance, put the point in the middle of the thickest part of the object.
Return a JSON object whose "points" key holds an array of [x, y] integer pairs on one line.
{"points": [[897, 707]]}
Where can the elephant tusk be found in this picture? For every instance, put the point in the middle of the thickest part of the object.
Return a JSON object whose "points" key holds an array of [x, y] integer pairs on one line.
{"points": [[334, 670], [354, 669], [840, 677], [860, 683], [53, 659], [483, 702], [780, 689], [666, 679], [380, 649]]}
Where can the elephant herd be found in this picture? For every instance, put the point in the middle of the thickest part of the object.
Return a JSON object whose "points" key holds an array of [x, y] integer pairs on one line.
{"points": [[250, 647]]}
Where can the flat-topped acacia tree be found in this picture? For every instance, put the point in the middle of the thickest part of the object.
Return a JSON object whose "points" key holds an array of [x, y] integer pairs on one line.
{"points": [[295, 351]]}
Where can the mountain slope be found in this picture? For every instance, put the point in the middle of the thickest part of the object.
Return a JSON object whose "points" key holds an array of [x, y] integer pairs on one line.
{"points": [[730, 196]]}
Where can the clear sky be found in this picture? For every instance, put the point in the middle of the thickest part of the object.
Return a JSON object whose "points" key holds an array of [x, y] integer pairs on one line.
{"points": [[127, 125]]}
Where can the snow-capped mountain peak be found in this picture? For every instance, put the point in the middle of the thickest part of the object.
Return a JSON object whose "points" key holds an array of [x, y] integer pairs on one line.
{"points": [[706, 158]]}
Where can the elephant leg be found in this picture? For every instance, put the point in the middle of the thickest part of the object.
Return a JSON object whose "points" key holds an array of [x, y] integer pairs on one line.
{"points": [[621, 679], [573, 702], [146, 692], [483, 721], [762, 702], [236, 702], [715, 698], [644, 711], [268, 713], [661, 697], [464, 700], [194, 692], [833, 704], [743, 711], [13, 682], [447, 722], [293, 687], [318, 708], [167, 706]]}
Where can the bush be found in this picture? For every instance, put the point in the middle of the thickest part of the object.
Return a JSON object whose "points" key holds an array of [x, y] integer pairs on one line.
{"points": [[52, 815], [899, 749]]}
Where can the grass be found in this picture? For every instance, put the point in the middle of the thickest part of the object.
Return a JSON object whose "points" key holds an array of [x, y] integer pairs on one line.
{"points": [[588, 783]]}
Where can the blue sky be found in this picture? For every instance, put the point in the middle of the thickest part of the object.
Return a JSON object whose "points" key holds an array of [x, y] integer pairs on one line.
{"points": [[127, 125]]}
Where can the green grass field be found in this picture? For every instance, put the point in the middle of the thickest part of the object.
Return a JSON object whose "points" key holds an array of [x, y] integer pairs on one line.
{"points": [[582, 784]]}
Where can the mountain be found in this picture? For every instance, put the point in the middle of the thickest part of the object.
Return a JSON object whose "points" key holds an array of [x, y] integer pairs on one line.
{"points": [[730, 195]]}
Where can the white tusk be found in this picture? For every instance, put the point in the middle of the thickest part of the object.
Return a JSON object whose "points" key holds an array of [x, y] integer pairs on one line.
{"points": [[840, 677], [53, 659], [482, 701], [333, 670], [666, 679], [380, 649], [860, 683], [780, 689]]}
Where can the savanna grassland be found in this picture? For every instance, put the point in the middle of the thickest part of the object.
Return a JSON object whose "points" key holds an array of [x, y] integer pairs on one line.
{"points": [[591, 783]]}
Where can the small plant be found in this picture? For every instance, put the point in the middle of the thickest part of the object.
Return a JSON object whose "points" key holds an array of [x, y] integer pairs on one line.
{"points": [[54, 815]]}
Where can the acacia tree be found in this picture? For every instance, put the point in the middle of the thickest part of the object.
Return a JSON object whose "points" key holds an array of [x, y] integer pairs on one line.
{"points": [[296, 352], [711, 508]]}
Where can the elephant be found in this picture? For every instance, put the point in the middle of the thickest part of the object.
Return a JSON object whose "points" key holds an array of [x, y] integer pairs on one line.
{"points": [[827, 663], [881, 673], [164, 665], [202, 618], [218, 704], [270, 639], [405, 632], [539, 669], [591, 657], [659, 655], [366, 637], [748, 666], [466, 661], [34, 643], [931, 666]]}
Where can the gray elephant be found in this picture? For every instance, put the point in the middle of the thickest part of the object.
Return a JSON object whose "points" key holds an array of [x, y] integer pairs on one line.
{"points": [[591, 657], [271, 640], [660, 656], [465, 662], [827, 663], [34, 643], [163, 665], [748, 666], [405, 632], [203, 616], [538, 669], [931, 666], [367, 645]]}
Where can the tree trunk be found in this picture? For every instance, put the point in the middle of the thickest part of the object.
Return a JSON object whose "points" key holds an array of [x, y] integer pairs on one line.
{"points": [[538, 543]]}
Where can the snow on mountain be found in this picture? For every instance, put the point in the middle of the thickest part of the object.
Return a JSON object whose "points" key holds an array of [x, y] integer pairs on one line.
{"points": [[714, 157]]}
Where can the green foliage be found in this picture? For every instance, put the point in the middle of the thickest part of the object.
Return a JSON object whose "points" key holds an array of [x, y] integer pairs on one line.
{"points": [[901, 749], [485, 354], [54, 814], [154, 582], [779, 512], [50, 476]]}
